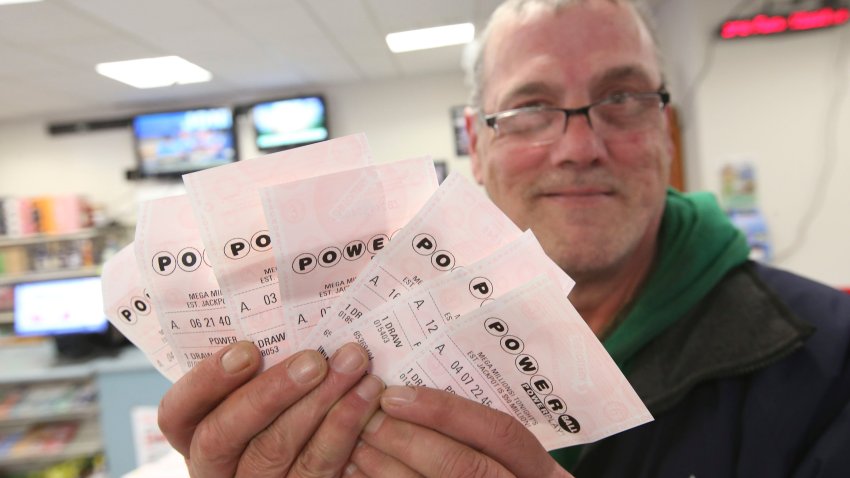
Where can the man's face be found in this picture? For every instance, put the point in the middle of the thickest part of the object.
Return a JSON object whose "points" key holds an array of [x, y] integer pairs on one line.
{"points": [[590, 198]]}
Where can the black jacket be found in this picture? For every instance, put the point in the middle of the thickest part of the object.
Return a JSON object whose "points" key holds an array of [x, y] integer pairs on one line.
{"points": [[755, 382]]}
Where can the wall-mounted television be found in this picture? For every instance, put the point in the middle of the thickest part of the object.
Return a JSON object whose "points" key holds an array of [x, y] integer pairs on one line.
{"points": [[289, 122], [59, 307], [173, 143]]}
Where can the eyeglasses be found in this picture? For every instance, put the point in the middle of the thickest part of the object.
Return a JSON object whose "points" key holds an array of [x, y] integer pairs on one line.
{"points": [[618, 113]]}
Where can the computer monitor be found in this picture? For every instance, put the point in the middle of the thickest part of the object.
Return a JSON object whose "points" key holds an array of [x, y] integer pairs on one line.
{"points": [[59, 307], [290, 122], [173, 143]]}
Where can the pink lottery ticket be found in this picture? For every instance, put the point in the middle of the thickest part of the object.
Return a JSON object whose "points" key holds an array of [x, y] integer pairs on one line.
{"points": [[530, 354], [393, 330], [457, 226], [176, 272], [326, 229], [233, 226], [129, 309]]}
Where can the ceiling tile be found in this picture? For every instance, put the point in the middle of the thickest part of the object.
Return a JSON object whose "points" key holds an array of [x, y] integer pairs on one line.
{"points": [[88, 53], [252, 47], [83, 86], [431, 61], [20, 62], [30, 99], [394, 16], [146, 18], [355, 33], [46, 23]]}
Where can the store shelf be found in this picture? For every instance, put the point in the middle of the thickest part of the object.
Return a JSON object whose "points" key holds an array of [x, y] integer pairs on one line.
{"points": [[122, 382], [86, 442], [11, 279], [7, 317], [46, 422], [44, 238], [77, 413], [57, 400]]}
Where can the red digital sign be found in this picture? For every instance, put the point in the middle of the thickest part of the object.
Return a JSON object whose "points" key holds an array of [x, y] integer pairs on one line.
{"points": [[765, 24]]}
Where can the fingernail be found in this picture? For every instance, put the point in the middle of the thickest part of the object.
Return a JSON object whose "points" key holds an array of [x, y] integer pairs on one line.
{"points": [[369, 388], [305, 367], [398, 396], [350, 469], [238, 358], [347, 359], [375, 422]]}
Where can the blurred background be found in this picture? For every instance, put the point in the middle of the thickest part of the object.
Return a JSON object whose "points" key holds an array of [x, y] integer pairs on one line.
{"points": [[759, 96]]}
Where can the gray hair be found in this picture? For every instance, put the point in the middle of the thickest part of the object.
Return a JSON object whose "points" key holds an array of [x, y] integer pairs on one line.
{"points": [[474, 54]]}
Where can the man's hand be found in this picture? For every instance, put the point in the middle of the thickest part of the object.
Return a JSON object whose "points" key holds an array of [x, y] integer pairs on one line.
{"points": [[301, 417], [429, 432]]}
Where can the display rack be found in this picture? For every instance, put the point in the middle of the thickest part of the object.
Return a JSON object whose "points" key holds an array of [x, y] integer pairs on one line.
{"points": [[43, 257], [48, 421], [86, 442], [13, 279], [121, 382], [38, 257], [44, 238]]}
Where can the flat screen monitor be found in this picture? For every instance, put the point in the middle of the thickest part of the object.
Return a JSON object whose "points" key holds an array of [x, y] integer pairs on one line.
{"points": [[59, 307], [290, 122], [178, 142]]}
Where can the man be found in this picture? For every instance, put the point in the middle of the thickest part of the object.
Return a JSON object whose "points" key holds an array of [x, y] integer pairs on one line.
{"points": [[744, 368], [707, 340]]}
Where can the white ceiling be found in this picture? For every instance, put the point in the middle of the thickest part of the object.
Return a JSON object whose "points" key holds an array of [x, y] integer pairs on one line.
{"points": [[48, 50]]}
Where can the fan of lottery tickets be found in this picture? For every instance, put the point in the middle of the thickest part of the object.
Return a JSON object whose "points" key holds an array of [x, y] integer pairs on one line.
{"points": [[317, 246]]}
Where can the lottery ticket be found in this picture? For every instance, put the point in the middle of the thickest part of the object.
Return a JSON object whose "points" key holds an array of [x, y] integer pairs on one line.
{"points": [[457, 226], [530, 354], [128, 307], [176, 271], [227, 203], [393, 330], [326, 229]]}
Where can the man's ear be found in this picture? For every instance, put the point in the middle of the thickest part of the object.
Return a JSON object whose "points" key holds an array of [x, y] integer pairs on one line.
{"points": [[471, 121]]}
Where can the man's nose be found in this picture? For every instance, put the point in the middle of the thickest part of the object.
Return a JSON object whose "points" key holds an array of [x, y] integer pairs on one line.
{"points": [[579, 145]]}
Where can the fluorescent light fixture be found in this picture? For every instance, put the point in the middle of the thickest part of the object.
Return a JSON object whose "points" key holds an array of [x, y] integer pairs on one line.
{"points": [[154, 72], [12, 2], [431, 37]]}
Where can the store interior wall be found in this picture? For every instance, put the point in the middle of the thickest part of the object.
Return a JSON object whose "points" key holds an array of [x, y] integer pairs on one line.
{"points": [[779, 103], [401, 119]]}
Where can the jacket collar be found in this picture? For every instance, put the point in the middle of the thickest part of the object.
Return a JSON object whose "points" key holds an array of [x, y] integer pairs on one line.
{"points": [[739, 327]]}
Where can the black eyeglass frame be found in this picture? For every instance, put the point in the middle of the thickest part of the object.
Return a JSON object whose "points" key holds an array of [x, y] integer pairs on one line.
{"points": [[661, 92]]}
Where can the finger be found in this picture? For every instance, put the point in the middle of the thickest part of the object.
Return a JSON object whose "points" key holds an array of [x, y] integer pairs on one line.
{"points": [[330, 447], [494, 433], [428, 452], [222, 436], [351, 471], [367, 460], [274, 451], [198, 392]]}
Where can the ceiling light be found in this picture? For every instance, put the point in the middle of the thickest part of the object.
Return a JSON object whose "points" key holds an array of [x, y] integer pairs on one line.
{"points": [[12, 2], [154, 72], [431, 37]]}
